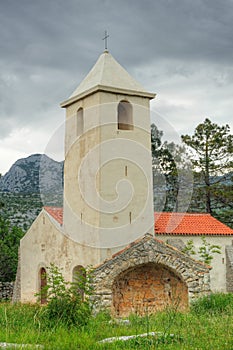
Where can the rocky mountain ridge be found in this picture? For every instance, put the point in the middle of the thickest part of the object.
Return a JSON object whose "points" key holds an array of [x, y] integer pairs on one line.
{"points": [[30, 184], [35, 174]]}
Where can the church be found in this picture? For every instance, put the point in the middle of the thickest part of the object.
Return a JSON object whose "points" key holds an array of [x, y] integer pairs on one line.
{"points": [[107, 220]]}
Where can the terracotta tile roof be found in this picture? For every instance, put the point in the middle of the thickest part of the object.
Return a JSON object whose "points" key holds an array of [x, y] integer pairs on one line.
{"points": [[56, 213], [173, 223], [189, 224]]}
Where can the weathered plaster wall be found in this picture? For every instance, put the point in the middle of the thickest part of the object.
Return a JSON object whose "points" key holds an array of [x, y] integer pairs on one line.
{"points": [[105, 205], [218, 264], [43, 244]]}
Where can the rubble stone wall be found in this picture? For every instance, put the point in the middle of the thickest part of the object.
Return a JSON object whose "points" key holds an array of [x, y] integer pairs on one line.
{"points": [[6, 290], [229, 268], [146, 256]]}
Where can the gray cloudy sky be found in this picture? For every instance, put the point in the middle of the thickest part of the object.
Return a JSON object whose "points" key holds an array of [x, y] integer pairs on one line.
{"points": [[180, 49]]}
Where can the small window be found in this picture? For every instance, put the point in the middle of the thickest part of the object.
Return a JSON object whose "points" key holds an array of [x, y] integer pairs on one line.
{"points": [[79, 122], [125, 116]]}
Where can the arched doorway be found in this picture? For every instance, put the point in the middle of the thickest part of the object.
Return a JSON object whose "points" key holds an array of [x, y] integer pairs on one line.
{"points": [[43, 284], [146, 289]]}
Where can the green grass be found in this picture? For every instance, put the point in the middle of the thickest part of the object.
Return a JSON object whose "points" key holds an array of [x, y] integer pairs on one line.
{"points": [[207, 326]]}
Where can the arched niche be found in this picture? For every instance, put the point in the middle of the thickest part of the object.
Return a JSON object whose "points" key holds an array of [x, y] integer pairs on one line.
{"points": [[125, 116]]}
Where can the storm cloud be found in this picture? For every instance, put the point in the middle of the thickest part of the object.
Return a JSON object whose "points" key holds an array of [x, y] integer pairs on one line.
{"points": [[182, 50]]}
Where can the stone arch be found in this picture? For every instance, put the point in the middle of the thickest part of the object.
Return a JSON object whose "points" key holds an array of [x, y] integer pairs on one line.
{"points": [[79, 122], [148, 288], [42, 285], [149, 253], [125, 115], [79, 277]]}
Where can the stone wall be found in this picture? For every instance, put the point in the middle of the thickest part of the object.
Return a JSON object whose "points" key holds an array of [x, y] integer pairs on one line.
{"points": [[229, 268], [17, 289], [148, 288], [147, 256], [6, 290]]}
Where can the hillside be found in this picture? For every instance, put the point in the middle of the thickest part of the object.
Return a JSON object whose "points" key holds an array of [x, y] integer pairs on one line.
{"points": [[37, 181], [35, 174], [30, 183]]}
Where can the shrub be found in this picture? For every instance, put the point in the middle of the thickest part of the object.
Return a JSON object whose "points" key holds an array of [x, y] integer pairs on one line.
{"points": [[216, 303], [205, 252], [67, 303]]}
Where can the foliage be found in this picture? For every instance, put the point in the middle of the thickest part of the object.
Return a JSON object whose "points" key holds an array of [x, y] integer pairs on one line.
{"points": [[205, 252], [212, 150], [67, 303], [149, 342], [177, 188], [198, 329], [9, 242], [171, 173], [217, 303], [21, 209], [189, 249]]}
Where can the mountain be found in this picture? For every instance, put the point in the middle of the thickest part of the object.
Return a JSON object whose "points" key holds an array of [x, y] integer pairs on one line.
{"points": [[30, 184], [35, 174]]}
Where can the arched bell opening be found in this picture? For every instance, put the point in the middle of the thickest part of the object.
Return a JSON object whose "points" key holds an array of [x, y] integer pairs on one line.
{"points": [[125, 116]]}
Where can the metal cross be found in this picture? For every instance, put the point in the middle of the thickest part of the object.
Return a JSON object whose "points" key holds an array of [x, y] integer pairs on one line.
{"points": [[106, 36]]}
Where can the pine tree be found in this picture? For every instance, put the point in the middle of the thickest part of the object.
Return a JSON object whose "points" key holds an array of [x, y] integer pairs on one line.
{"points": [[211, 148]]}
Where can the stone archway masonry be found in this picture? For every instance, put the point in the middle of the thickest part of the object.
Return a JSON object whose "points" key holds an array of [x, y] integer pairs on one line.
{"points": [[149, 250]]}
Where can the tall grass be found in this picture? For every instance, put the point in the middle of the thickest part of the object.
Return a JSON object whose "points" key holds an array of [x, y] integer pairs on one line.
{"points": [[208, 326], [217, 303]]}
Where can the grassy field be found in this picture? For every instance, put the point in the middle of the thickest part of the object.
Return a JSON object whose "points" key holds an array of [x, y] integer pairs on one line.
{"points": [[208, 325]]}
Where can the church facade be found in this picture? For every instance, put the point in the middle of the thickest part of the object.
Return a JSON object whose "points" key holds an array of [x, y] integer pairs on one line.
{"points": [[107, 220]]}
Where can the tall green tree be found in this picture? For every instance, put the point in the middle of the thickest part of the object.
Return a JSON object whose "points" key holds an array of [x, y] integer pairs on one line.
{"points": [[211, 148], [9, 243], [171, 173]]}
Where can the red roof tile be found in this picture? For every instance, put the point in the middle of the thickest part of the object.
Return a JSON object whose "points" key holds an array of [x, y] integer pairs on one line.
{"points": [[56, 213], [189, 224], [173, 223]]}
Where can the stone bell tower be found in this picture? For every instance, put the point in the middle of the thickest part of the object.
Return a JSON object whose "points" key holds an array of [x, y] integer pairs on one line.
{"points": [[108, 196]]}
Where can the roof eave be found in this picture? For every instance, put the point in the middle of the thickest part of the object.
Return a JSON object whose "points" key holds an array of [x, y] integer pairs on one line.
{"points": [[104, 88], [193, 234]]}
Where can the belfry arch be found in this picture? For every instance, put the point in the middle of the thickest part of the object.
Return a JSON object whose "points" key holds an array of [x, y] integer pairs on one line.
{"points": [[125, 116]]}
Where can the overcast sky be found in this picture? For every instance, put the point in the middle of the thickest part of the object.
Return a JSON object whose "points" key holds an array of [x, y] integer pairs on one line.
{"points": [[180, 49]]}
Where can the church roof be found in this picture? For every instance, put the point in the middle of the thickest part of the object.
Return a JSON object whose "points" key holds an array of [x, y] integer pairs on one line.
{"points": [[174, 223], [189, 224], [56, 213], [108, 75]]}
